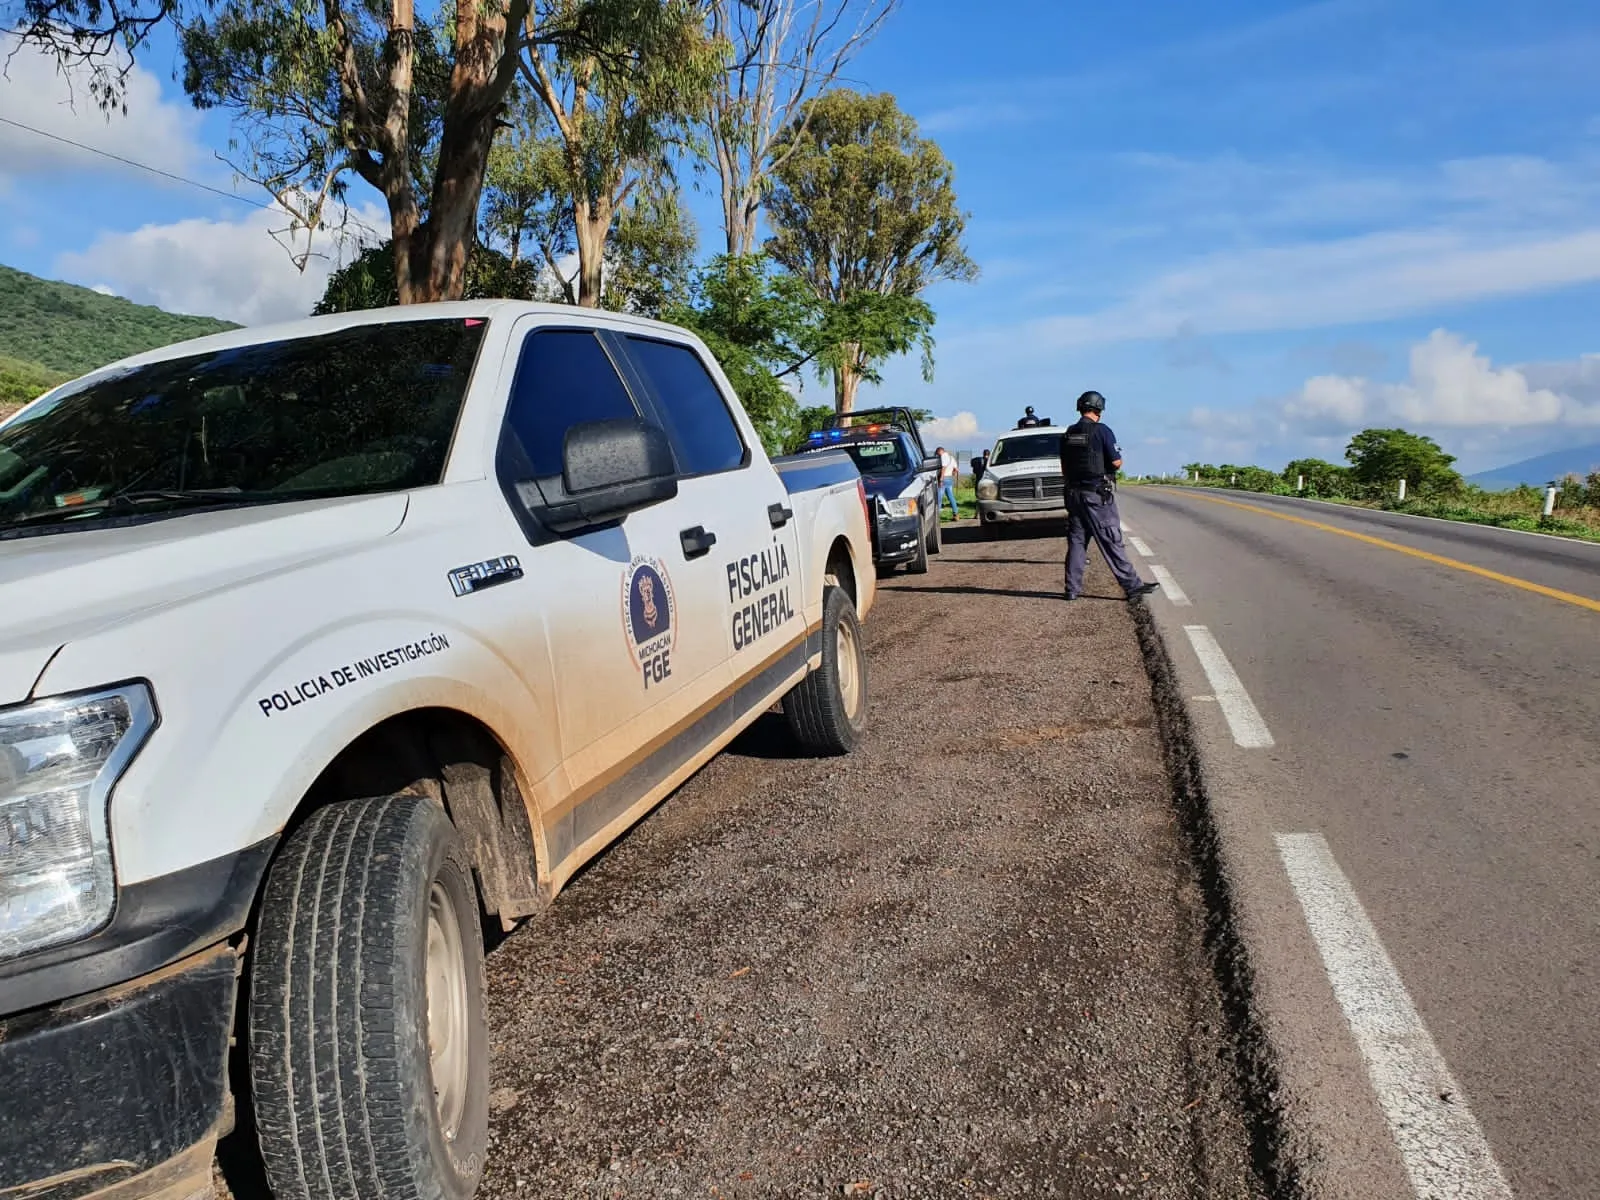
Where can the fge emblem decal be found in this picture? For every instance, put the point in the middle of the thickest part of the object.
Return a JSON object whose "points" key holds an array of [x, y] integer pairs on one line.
{"points": [[649, 613]]}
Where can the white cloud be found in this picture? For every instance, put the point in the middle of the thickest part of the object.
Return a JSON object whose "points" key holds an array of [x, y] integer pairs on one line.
{"points": [[1344, 281], [1329, 400], [963, 425], [1236, 246], [1577, 379], [962, 118], [236, 270], [1452, 386], [160, 132]]}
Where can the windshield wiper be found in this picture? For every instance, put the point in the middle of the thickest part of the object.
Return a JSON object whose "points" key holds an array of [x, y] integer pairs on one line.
{"points": [[134, 501]]}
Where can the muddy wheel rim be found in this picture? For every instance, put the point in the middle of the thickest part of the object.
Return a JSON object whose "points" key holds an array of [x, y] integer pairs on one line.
{"points": [[849, 670], [447, 1010]]}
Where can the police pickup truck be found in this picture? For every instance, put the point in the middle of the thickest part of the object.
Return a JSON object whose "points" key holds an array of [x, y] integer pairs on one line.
{"points": [[318, 641], [902, 486], [1023, 481]]}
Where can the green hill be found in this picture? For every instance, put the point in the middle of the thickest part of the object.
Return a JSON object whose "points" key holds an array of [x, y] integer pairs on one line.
{"points": [[51, 331]]}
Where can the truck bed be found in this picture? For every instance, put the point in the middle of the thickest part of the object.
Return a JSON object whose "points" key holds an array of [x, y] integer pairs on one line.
{"points": [[813, 469]]}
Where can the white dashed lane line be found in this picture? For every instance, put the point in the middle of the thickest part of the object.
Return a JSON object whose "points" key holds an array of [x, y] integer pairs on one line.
{"points": [[1138, 544], [1169, 586], [1444, 1150], [1244, 722]]}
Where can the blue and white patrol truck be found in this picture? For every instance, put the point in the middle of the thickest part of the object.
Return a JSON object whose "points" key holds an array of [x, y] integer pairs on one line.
{"points": [[319, 640], [901, 481]]}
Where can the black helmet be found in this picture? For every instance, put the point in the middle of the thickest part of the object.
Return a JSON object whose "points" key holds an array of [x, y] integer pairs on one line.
{"points": [[1029, 410], [1091, 402]]}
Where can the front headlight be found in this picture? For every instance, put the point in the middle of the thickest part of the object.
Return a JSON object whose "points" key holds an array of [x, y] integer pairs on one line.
{"points": [[988, 489], [900, 508], [59, 759]]}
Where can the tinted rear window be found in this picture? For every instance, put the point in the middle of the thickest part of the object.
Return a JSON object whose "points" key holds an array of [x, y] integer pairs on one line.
{"points": [[708, 439], [878, 458]]}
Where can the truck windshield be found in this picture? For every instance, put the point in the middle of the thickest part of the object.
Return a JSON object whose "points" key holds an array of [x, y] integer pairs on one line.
{"points": [[371, 408], [878, 458], [1021, 449]]}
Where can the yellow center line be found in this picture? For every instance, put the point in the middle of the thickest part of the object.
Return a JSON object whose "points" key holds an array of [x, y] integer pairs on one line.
{"points": [[1457, 564]]}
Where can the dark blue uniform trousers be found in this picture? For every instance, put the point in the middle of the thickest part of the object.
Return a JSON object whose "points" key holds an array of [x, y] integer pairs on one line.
{"points": [[1091, 515]]}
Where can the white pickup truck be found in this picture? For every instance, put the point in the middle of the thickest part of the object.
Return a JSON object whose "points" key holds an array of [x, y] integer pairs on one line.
{"points": [[316, 641]]}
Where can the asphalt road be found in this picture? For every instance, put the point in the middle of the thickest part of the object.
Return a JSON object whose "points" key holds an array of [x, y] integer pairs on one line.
{"points": [[1438, 726]]}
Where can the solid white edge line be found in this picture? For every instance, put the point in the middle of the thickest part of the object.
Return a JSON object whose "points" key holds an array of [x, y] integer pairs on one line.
{"points": [[1244, 722], [1169, 586], [1138, 544], [1440, 1142]]}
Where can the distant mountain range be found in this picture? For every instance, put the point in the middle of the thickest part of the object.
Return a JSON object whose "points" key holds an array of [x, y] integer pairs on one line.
{"points": [[1540, 470], [52, 331]]}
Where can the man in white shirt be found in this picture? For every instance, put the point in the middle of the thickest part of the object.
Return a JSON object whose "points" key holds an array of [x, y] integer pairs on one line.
{"points": [[948, 471]]}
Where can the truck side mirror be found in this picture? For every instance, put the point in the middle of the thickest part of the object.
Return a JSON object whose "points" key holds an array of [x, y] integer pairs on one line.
{"points": [[610, 469], [932, 463]]}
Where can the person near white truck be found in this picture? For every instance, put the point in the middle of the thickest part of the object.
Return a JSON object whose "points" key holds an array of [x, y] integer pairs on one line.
{"points": [[316, 643]]}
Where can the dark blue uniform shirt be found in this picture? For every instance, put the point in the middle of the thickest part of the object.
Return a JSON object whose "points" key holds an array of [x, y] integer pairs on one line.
{"points": [[1108, 447]]}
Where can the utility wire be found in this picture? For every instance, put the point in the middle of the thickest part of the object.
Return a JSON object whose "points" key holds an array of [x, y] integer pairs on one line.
{"points": [[56, 137]]}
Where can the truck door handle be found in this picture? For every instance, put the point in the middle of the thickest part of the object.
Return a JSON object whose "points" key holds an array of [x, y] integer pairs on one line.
{"points": [[778, 515], [696, 541]]}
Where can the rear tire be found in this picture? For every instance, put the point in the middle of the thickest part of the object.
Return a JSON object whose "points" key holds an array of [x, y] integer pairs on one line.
{"points": [[368, 1045], [827, 710]]}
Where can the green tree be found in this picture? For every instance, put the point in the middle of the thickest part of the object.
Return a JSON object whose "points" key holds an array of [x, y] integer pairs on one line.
{"points": [[368, 280], [1257, 479], [864, 211], [524, 208], [1381, 458], [808, 421], [620, 106], [101, 35], [762, 325], [650, 254], [529, 211], [783, 52], [1322, 478], [326, 89]]}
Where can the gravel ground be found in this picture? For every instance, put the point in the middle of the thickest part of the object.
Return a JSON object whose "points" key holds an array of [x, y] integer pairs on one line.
{"points": [[966, 961]]}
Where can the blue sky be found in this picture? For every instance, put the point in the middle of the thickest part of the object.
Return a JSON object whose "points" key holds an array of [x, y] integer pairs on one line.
{"points": [[1255, 227]]}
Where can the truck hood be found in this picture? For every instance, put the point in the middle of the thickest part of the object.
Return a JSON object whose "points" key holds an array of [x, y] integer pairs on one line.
{"points": [[62, 586], [1027, 466]]}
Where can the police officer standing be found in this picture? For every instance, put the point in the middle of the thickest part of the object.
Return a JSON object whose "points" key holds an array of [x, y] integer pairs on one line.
{"points": [[1090, 459], [1028, 419]]}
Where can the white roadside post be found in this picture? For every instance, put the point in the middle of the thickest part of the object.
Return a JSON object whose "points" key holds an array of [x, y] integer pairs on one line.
{"points": [[1402, 489], [1550, 500], [1233, 479], [1299, 483]]}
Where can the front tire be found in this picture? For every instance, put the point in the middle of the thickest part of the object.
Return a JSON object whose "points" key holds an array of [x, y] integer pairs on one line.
{"points": [[369, 1048], [919, 561], [827, 710], [936, 538]]}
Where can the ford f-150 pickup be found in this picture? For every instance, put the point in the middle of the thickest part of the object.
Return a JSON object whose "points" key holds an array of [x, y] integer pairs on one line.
{"points": [[316, 642]]}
